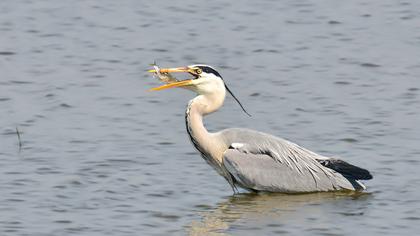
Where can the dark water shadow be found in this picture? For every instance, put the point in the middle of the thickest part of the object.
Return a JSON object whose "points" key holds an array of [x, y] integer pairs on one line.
{"points": [[257, 206]]}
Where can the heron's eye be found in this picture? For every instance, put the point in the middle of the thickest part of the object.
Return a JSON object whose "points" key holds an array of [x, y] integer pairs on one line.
{"points": [[198, 71]]}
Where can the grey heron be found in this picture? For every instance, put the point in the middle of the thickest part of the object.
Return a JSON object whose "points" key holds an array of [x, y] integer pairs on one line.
{"points": [[254, 160]]}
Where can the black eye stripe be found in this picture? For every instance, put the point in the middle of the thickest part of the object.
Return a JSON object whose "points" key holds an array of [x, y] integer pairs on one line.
{"points": [[209, 70]]}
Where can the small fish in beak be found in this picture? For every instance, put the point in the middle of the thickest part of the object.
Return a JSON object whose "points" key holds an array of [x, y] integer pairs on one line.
{"points": [[165, 77]]}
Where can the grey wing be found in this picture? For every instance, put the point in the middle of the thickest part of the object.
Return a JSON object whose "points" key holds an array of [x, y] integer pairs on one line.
{"points": [[266, 163], [261, 172]]}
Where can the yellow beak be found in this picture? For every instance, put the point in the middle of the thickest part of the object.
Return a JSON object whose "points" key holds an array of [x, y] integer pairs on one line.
{"points": [[175, 84], [170, 70]]}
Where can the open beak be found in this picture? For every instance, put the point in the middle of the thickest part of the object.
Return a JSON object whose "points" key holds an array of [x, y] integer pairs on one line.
{"points": [[175, 84], [170, 70]]}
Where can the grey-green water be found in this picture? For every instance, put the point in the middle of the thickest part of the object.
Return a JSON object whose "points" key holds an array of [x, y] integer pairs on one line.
{"points": [[101, 156]]}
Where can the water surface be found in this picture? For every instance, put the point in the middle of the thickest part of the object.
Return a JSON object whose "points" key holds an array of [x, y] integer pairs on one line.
{"points": [[102, 156]]}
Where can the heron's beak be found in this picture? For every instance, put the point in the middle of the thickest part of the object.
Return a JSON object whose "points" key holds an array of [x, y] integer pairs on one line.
{"points": [[170, 70], [174, 84]]}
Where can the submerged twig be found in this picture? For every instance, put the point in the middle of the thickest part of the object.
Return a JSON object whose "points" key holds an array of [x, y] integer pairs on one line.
{"points": [[19, 139]]}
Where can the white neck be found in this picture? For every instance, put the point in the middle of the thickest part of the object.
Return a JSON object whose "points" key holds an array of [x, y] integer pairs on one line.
{"points": [[210, 147]]}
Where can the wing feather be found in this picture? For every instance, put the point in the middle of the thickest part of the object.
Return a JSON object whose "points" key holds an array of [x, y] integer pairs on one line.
{"points": [[261, 172], [267, 163]]}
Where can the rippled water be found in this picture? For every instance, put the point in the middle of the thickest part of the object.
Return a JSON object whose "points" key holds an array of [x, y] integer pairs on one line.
{"points": [[101, 156]]}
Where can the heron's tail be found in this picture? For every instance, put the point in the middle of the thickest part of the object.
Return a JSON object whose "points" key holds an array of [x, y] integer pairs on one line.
{"points": [[346, 169]]}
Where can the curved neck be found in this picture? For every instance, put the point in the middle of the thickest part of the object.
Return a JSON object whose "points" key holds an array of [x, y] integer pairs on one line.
{"points": [[200, 137]]}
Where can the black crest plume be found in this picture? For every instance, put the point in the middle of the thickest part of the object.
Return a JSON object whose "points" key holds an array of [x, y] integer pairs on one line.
{"points": [[208, 69]]}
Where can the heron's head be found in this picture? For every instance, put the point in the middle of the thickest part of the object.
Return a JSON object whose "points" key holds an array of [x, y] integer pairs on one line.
{"points": [[205, 80]]}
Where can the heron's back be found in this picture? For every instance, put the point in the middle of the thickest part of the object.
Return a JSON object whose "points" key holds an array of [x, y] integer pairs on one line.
{"points": [[260, 161]]}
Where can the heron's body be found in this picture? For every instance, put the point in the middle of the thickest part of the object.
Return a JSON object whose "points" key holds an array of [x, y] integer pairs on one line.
{"points": [[257, 161]]}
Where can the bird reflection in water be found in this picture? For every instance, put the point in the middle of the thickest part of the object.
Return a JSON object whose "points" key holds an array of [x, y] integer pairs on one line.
{"points": [[266, 208]]}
